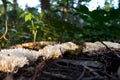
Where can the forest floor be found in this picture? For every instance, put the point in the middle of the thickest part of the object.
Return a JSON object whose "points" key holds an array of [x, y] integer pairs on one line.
{"points": [[80, 66]]}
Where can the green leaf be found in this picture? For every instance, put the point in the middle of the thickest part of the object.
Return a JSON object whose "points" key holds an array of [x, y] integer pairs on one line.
{"points": [[28, 17], [13, 30], [64, 1], [41, 15]]}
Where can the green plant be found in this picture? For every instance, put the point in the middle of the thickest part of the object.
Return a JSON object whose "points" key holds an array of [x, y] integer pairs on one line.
{"points": [[34, 28]]}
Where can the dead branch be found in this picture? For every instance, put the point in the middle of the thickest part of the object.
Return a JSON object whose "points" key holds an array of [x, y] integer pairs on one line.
{"points": [[105, 45], [94, 64], [61, 76], [6, 30], [81, 75], [38, 68], [91, 70]]}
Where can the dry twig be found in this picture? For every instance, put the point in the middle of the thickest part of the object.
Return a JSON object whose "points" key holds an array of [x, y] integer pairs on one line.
{"points": [[38, 68], [81, 75], [57, 75], [4, 35]]}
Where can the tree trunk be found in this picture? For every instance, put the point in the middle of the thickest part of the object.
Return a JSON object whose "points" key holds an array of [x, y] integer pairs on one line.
{"points": [[14, 12], [119, 4], [5, 9], [45, 7]]}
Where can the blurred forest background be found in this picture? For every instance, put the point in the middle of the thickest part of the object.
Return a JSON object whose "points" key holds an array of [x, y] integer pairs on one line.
{"points": [[58, 20]]}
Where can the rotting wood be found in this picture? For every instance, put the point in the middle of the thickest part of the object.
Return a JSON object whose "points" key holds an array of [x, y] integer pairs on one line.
{"points": [[12, 59], [97, 47], [9, 76], [54, 51], [33, 45]]}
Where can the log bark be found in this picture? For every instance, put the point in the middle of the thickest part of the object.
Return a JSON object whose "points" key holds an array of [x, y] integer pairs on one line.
{"points": [[13, 59]]}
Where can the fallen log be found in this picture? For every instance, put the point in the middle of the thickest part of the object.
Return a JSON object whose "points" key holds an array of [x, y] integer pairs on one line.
{"points": [[96, 47], [13, 59]]}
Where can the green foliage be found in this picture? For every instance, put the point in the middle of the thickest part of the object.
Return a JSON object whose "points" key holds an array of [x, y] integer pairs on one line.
{"points": [[64, 32], [28, 17], [101, 24], [64, 1]]}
